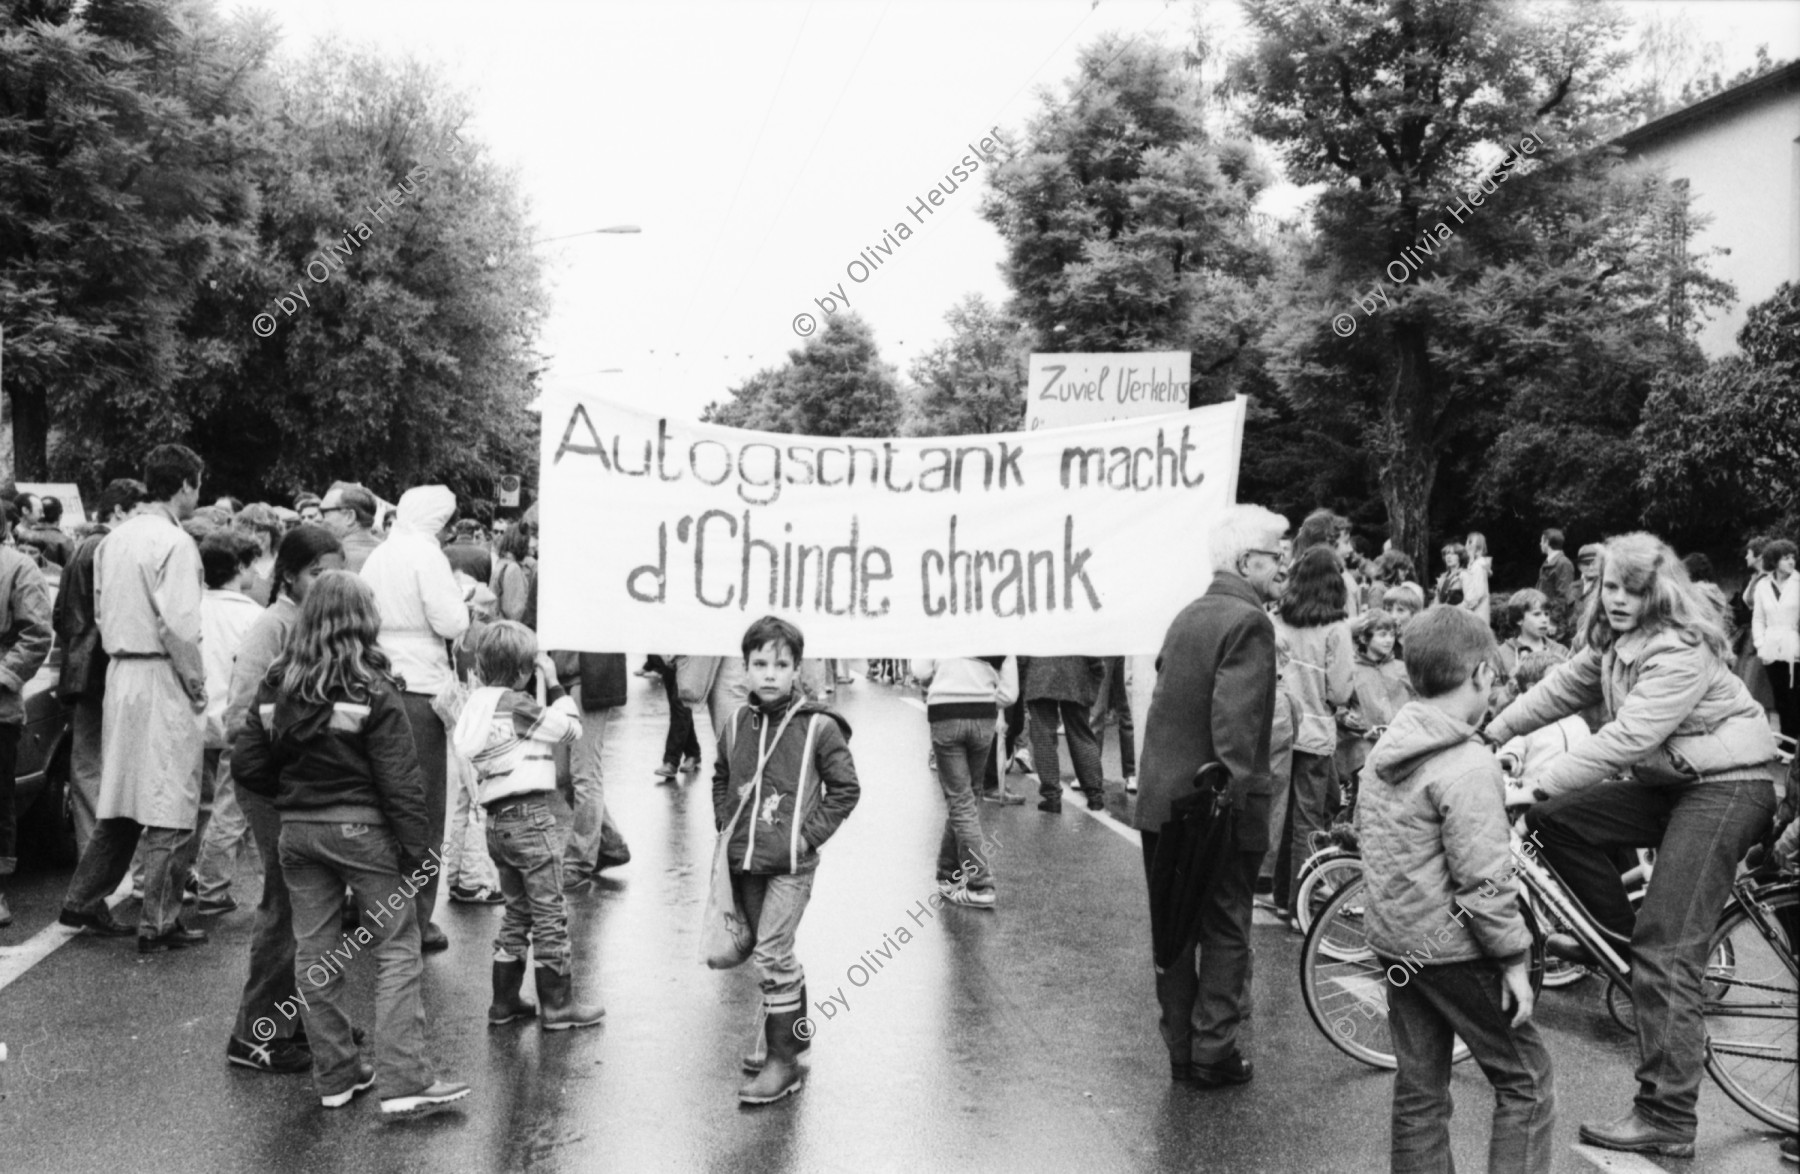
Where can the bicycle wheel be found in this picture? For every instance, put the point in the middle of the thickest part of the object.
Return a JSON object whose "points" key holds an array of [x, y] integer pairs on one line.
{"points": [[1320, 856], [1343, 984], [1322, 884], [1752, 1001]]}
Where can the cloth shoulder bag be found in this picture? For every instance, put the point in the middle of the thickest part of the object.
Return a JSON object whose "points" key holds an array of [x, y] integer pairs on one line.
{"points": [[726, 935]]}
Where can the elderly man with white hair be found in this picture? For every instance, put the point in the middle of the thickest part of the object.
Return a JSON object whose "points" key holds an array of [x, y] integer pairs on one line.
{"points": [[1214, 701]]}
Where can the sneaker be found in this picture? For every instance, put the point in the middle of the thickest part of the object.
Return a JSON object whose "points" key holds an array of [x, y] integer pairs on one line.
{"points": [[483, 895], [689, 765], [278, 1057], [971, 898], [665, 771], [217, 908], [946, 887], [1131, 784], [1003, 797], [426, 1100], [365, 1080], [1021, 761]]}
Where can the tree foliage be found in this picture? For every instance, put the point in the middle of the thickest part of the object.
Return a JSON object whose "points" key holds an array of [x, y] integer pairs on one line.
{"points": [[1721, 448], [163, 182], [1470, 322], [834, 385], [973, 381], [1121, 214]]}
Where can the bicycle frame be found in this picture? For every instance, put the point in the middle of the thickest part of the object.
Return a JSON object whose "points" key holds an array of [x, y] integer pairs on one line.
{"points": [[1537, 877]]}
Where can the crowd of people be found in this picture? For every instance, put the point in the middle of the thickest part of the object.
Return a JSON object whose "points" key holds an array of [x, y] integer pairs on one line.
{"points": [[358, 691]]}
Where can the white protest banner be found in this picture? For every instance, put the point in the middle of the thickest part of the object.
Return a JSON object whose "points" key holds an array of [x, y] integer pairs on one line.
{"points": [[673, 536], [1062, 390]]}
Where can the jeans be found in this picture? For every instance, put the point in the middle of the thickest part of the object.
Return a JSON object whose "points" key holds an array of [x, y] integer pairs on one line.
{"points": [[527, 849], [84, 767], [189, 853], [432, 743], [9, 816], [107, 859], [319, 859], [1115, 699], [963, 745], [223, 846], [1700, 830], [1784, 682], [683, 741], [466, 861], [1427, 1010], [582, 855], [1312, 799], [270, 985], [773, 905], [1084, 748], [1205, 992]]}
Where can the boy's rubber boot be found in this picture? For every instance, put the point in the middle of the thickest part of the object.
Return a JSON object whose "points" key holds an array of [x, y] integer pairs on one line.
{"points": [[560, 1010], [759, 1044], [508, 1005], [781, 1073]]}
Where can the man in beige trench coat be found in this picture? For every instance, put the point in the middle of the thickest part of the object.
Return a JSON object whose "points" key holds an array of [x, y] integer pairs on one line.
{"points": [[147, 591]]}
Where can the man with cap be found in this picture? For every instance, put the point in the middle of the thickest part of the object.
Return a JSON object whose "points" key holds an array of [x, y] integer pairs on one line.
{"points": [[349, 511]]}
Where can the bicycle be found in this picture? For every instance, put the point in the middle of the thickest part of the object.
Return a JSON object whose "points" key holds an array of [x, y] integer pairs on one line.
{"points": [[1751, 986]]}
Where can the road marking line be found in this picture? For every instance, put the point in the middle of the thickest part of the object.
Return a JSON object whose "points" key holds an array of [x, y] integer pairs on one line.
{"points": [[1618, 1160], [15, 961]]}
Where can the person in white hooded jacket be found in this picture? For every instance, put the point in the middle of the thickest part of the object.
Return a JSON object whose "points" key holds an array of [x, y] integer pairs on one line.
{"points": [[421, 607]]}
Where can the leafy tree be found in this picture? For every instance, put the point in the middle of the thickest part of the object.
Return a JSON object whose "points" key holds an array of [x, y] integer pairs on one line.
{"points": [[973, 381], [1119, 211], [834, 385], [1721, 448], [161, 184], [1543, 309], [414, 359], [124, 191]]}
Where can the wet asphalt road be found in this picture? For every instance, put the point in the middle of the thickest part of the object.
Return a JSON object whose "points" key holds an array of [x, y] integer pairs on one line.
{"points": [[1019, 1039]]}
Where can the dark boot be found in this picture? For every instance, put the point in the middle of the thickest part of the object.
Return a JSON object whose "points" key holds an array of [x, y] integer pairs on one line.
{"points": [[561, 1011], [781, 1074], [508, 1006], [759, 1043]]}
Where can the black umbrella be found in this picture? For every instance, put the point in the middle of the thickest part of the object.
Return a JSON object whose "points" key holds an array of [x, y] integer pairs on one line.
{"points": [[1189, 850]]}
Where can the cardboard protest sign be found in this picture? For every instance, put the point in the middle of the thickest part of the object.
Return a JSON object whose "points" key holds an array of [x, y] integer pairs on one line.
{"points": [[1063, 390], [674, 536]]}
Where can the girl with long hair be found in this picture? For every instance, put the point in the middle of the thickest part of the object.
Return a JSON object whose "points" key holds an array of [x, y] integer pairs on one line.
{"points": [[1477, 566], [329, 743], [1698, 760], [1317, 668], [1449, 585]]}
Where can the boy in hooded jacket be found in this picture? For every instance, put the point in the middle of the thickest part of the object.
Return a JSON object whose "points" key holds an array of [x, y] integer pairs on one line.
{"points": [[783, 783], [1442, 910]]}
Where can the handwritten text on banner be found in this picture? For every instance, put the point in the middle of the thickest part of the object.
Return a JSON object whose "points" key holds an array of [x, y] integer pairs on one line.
{"points": [[672, 536]]}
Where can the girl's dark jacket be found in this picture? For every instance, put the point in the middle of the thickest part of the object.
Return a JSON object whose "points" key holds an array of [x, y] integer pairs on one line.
{"points": [[807, 789], [340, 761]]}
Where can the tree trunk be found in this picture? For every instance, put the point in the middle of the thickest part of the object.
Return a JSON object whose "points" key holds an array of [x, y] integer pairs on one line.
{"points": [[1409, 458], [31, 434]]}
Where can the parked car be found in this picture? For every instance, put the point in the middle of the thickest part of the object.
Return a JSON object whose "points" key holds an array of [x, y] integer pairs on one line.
{"points": [[46, 819]]}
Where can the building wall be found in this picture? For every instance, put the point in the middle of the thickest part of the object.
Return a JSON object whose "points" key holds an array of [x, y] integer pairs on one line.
{"points": [[1743, 169]]}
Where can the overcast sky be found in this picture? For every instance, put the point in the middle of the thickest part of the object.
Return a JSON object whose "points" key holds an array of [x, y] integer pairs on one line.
{"points": [[762, 145]]}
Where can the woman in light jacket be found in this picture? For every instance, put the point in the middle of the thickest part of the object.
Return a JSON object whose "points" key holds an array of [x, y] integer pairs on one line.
{"points": [[1700, 789], [1775, 628], [1318, 670], [963, 697]]}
